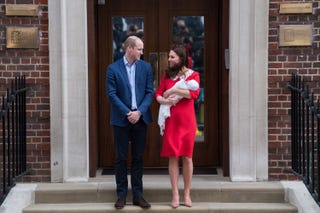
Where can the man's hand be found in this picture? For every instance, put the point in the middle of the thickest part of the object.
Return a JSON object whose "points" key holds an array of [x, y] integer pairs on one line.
{"points": [[134, 116]]}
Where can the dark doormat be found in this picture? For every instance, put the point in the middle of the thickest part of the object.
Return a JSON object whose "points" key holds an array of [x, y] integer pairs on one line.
{"points": [[164, 171]]}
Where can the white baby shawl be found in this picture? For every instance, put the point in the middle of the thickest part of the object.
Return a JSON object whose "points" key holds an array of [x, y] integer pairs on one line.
{"points": [[164, 110]]}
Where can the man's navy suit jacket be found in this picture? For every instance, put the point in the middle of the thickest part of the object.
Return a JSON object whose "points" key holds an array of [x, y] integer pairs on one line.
{"points": [[119, 93]]}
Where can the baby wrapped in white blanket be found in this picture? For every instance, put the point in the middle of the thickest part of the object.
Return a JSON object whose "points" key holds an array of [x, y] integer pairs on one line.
{"points": [[164, 110]]}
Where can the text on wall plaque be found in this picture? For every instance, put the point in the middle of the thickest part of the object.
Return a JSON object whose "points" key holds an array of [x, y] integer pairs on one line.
{"points": [[21, 10], [295, 35], [292, 8], [22, 37]]}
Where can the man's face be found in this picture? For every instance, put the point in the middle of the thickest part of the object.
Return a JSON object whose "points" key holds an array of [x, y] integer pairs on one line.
{"points": [[137, 51]]}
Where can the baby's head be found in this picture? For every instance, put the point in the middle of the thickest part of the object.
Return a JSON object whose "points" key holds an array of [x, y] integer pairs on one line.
{"points": [[192, 85]]}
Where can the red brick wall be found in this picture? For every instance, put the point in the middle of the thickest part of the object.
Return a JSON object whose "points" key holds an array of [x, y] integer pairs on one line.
{"points": [[283, 61], [34, 64]]}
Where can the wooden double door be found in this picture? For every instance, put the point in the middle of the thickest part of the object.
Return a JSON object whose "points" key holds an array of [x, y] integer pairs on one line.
{"points": [[196, 23]]}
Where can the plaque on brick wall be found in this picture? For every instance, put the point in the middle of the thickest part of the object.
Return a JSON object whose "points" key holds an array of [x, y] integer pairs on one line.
{"points": [[22, 10], [292, 8], [22, 37], [295, 35]]}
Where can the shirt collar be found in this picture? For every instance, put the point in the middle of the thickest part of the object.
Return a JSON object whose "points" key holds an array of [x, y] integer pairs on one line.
{"points": [[126, 62]]}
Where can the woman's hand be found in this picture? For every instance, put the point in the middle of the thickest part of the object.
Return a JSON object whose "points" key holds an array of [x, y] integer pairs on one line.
{"points": [[172, 100], [168, 101], [169, 92]]}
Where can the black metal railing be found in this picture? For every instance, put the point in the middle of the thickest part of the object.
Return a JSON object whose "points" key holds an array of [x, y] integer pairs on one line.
{"points": [[12, 135], [305, 134]]}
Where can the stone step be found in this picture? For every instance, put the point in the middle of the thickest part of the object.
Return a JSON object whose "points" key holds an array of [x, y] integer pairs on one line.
{"points": [[248, 192], [199, 207], [208, 195]]}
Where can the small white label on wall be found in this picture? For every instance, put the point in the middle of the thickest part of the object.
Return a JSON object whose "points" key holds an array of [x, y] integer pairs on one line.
{"points": [[101, 2]]}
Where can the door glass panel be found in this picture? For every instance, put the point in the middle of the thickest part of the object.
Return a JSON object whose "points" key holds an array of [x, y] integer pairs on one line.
{"points": [[189, 30], [123, 27]]}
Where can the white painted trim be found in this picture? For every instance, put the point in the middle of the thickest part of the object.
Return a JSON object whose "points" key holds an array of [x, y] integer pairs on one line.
{"points": [[55, 64], [69, 91], [298, 195], [19, 197], [248, 90]]}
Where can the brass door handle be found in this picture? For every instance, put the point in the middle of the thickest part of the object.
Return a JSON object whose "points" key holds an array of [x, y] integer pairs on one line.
{"points": [[163, 64], [159, 62], [153, 57]]}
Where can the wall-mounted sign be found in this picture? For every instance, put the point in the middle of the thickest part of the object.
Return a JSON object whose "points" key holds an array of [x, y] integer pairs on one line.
{"points": [[22, 10], [295, 35], [22, 37], [290, 8]]}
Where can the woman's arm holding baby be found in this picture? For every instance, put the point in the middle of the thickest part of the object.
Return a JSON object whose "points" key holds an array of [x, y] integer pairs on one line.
{"points": [[176, 91], [168, 101]]}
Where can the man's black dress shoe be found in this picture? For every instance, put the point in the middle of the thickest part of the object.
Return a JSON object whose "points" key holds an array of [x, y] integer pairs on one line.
{"points": [[120, 203], [140, 201]]}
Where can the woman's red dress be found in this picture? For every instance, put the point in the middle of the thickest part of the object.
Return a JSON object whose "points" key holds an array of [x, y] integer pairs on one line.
{"points": [[180, 128]]}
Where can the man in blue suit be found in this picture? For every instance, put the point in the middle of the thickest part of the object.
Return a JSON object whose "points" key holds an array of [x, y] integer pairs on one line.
{"points": [[129, 85]]}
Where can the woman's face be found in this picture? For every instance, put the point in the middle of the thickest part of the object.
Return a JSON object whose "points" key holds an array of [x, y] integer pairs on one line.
{"points": [[173, 59]]}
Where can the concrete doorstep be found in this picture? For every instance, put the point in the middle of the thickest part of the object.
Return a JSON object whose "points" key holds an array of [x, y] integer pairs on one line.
{"points": [[165, 207], [207, 195]]}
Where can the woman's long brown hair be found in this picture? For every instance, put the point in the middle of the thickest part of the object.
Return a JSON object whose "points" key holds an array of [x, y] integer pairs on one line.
{"points": [[181, 51]]}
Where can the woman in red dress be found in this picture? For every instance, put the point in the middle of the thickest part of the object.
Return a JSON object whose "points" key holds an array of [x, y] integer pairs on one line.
{"points": [[180, 127]]}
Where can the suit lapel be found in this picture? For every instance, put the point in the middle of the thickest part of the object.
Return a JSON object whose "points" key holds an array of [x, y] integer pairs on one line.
{"points": [[124, 73], [137, 78]]}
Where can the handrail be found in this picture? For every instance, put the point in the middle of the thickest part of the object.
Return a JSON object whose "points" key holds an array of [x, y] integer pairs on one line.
{"points": [[305, 135], [12, 135]]}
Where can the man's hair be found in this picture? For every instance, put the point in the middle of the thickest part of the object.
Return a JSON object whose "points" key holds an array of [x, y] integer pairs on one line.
{"points": [[131, 41]]}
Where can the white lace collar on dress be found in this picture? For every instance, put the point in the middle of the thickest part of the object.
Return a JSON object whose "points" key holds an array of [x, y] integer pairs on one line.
{"points": [[185, 76]]}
